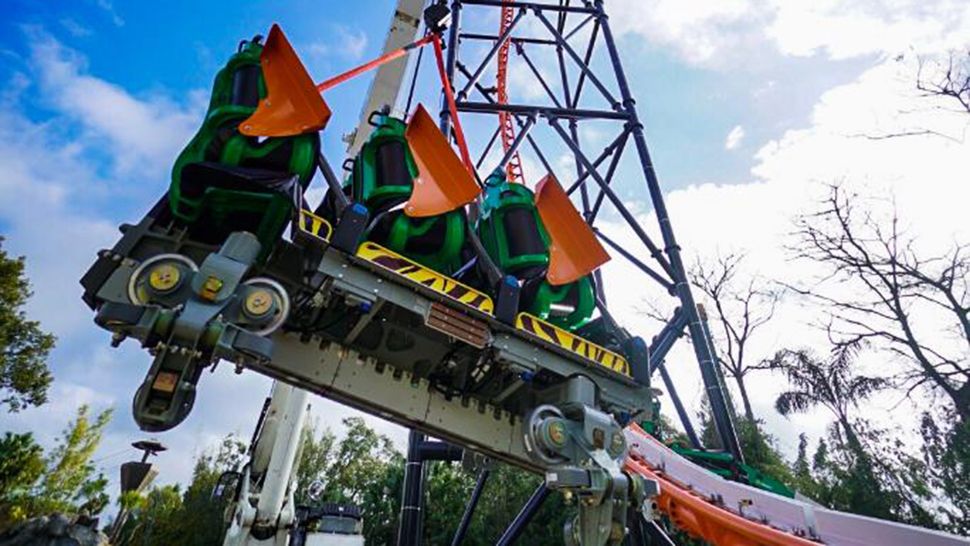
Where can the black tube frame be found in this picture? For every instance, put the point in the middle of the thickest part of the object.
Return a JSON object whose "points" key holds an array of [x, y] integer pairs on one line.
{"points": [[564, 113]]}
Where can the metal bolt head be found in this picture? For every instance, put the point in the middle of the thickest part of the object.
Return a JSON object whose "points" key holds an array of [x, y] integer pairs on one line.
{"points": [[259, 302], [211, 288], [557, 433], [617, 442], [164, 277]]}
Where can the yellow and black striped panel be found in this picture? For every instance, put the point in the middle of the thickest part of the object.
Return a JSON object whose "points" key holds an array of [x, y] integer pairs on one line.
{"points": [[314, 226], [375, 253], [571, 342]]}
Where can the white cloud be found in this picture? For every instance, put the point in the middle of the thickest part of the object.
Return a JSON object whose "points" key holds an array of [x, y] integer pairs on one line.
{"points": [[696, 29], [845, 29], [63, 208], [709, 33], [345, 42], [140, 133], [923, 175], [352, 42], [75, 29], [109, 9], [733, 139]]}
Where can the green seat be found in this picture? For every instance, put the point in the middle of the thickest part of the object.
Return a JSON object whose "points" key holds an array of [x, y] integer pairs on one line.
{"points": [[382, 179], [215, 201], [512, 233]]}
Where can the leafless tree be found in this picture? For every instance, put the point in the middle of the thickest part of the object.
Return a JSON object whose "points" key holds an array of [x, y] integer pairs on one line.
{"points": [[879, 290], [741, 306], [951, 79]]}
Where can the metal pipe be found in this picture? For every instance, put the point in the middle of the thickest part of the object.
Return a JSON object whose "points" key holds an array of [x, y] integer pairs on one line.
{"points": [[586, 59], [514, 147], [617, 202], [340, 198], [535, 71], [524, 516], [577, 28], [610, 148], [635, 261], [439, 451], [702, 346], [488, 57], [610, 171], [518, 121], [545, 111], [579, 61], [412, 498], [444, 121], [679, 407], [514, 40], [529, 5], [669, 334], [488, 147], [466, 518]]}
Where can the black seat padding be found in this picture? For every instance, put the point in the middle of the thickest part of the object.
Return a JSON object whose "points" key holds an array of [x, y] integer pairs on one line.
{"points": [[197, 177]]}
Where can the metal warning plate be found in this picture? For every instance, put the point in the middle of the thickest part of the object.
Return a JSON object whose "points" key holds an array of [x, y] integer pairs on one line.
{"points": [[573, 343], [376, 254], [311, 226]]}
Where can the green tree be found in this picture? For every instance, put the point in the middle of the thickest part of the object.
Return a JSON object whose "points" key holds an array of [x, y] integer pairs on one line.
{"points": [[946, 454], [857, 470], [24, 377], [165, 515], [506, 491], [65, 480], [21, 465]]}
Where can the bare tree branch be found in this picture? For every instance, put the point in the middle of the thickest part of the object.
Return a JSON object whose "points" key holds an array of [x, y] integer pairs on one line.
{"points": [[876, 288]]}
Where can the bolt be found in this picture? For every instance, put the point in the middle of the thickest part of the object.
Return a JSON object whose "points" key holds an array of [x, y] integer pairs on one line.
{"points": [[557, 433]]}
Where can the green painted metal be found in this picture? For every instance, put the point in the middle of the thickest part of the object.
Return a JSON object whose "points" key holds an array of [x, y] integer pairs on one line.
{"points": [[510, 228], [381, 187], [237, 88], [382, 178], [513, 235], [720, 462]]}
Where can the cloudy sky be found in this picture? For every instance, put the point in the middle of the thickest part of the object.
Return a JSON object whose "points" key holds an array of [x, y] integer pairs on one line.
{"points": [[750, 106]]}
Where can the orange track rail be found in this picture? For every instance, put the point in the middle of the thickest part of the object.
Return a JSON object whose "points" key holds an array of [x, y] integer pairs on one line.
{"points": [[513, 171], [714, 524]]}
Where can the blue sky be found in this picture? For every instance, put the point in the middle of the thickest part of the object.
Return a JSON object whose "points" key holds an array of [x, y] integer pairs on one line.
{"points": [[99, 97]]}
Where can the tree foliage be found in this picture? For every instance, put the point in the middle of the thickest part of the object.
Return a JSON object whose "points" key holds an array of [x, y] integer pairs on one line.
{"points": [[167, 515], [24, 377], [64, 480]]}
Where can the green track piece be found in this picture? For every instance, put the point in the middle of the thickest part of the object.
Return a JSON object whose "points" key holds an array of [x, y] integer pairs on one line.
{"points": [[722, 464]]}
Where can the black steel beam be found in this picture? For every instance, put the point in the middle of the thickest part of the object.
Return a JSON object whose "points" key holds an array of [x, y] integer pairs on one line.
{"points": [[577, 59], [617, 202], [635, 261], [466, 518], [514, 40], [530, 5], [463, 94], [409, 531], [544, 111], [703, 349], [607, 152], [524, 516], [610, 171]]}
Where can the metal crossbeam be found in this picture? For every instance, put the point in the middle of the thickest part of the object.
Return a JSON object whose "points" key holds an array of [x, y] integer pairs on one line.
{"points": [[570, 32]]}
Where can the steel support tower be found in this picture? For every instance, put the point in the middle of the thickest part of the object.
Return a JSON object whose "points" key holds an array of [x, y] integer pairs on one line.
{"points": [[590, 85]]}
